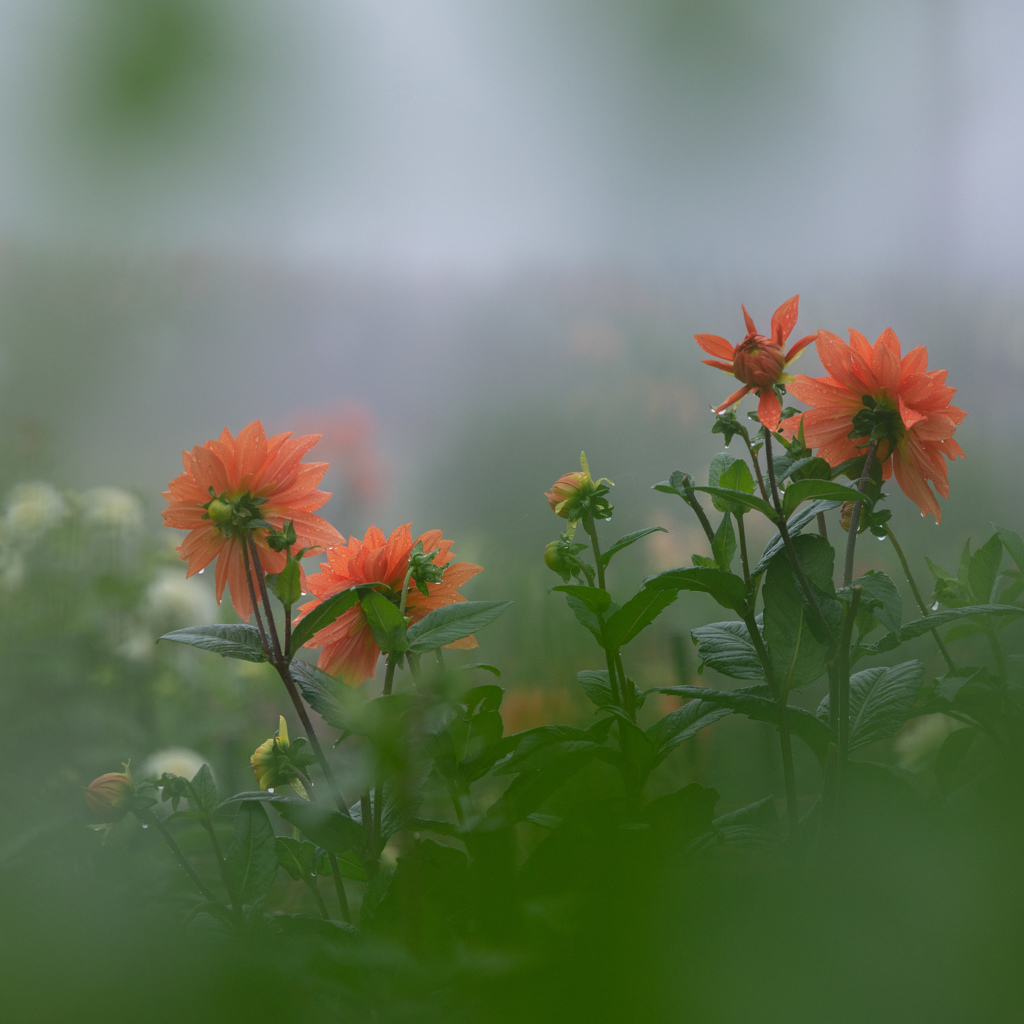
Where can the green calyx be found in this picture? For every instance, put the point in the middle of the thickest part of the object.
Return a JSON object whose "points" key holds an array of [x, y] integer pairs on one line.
{"points": [[423, 569], [234, 516], [880, 423]]}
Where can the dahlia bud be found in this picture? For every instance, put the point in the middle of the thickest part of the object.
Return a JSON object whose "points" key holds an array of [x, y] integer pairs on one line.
{"points": [[575, 495], [272, 765], [846, 514], [109, 797], [564, 489], [759, 362]]}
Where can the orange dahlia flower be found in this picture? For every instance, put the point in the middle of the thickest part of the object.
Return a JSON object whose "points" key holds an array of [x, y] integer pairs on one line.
{"points": [[757, 361], [904, 405], [348, 643], [229, 480]]}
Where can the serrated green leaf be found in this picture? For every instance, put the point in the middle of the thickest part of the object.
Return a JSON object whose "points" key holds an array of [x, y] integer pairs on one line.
{"points": [[250, 863], [584, 616], [636, 614], [921, 626], [810, 490], [235, 640], [204, 791], [296, 857], [596, 686], [984, 567], [320, 692], [452, 622], [723, 547], [727, 648], [680, 725], [797, 654], [880, 701], [386, 622], [738, 502], [323, 615], [593, 598], [725, 587], [755, 703], [630, 538], [881, 596], [808, 514], [1014, 545]]}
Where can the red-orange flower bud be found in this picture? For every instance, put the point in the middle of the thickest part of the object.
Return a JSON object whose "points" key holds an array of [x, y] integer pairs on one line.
{"points": [[759, 362], [109, 797], [565, 487]]}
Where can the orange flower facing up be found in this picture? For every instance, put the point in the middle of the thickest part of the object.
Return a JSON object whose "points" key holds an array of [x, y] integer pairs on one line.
{"points": [[230, 483], [872, 394], [757, 361], [348, 643]]}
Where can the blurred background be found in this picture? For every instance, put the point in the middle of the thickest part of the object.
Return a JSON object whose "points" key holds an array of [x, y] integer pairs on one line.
{"points": [[463, 241]]}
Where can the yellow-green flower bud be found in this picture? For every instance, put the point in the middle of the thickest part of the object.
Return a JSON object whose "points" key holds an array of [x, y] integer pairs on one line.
{"points": [[271, 765]]}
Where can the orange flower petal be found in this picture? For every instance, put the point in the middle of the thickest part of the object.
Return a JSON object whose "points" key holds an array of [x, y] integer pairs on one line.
{"points": [[715, 346], [784, 319]]}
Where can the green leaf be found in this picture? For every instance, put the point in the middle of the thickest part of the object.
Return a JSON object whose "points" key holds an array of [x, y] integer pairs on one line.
{"points": [[680, 725], [386, 622], [725, 587], [584, 616], [452, 622], [808, 514], [723, 547], [755, 703], [636, 614], [328, 828], [596, 686], [630, 538], [880, 701], [323, 615], [285, 585], [797, 654], [984, 567], [1014, 545], [737, 502], [940, 618], [727, 648], [735, 477], [806, 468], [204, 791], [593, 598], [320, 692], [808, 490], [538, 748], [881, 596], [228, 640], [296, 857], [251, 861]]}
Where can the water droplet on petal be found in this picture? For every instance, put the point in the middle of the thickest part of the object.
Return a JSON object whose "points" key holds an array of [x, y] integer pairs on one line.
{"points": [[201, 571], [302, 593]]}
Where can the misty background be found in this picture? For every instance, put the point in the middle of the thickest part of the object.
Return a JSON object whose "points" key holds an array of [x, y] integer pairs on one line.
{"points": [[465, 240]]}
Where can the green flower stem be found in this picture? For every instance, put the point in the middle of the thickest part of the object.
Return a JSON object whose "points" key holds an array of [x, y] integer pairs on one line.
{"points": [[339, 888], [376, 843], [785, 740], [148, 818], [616, 674], [320, 905], [843, 672], [787, 540], [925, 610], [744, 560], [691, 500], [822, 528], [260, 576], [255, 601], [851, 542], [756, 462]]}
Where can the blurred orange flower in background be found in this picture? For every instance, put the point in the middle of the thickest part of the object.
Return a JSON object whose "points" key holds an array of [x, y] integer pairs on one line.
{"points": [[228, 480], [899, 398], [348, 644], [758, 361]]}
